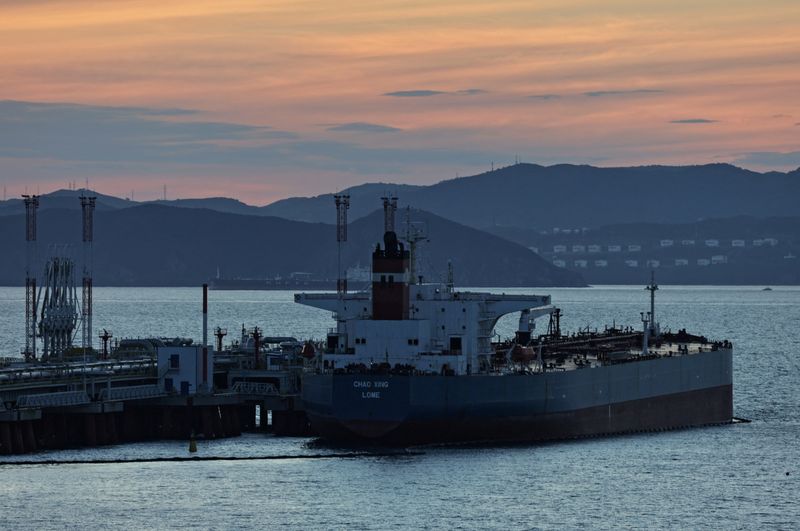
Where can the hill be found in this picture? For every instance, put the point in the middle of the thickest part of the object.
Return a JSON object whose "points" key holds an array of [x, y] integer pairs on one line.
{"points": [[736, 250], [530, 196], [564, 195], [154, 245]]}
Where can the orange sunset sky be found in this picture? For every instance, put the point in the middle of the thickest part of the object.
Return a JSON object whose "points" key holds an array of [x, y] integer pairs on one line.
{"points": [[264, 100]]}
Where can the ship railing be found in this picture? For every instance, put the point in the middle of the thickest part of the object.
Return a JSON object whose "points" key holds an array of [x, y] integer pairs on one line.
{"points": [[255, 388]]}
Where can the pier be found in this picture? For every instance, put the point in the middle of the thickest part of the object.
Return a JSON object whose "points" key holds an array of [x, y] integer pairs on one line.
{"points": [[48, 406]]}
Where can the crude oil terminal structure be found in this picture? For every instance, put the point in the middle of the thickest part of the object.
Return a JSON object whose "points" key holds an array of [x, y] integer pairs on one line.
{"points": [[408, 362]]}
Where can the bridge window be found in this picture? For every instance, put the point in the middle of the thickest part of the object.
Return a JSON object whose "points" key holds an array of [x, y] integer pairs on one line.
{"points": [[455, 344]]}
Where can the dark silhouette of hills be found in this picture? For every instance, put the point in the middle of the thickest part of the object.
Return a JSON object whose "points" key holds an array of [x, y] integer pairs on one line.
{"points": [[565, 195], [156, 245], [363, 199], [735, 250], [66, 200], [531, 196]]}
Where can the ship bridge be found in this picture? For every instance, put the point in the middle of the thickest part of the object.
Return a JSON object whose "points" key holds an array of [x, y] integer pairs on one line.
{"points": [[402, 324]]}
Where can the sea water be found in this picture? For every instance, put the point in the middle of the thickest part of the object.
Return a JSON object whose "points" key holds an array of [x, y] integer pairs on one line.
{"points": [[741, 476]]}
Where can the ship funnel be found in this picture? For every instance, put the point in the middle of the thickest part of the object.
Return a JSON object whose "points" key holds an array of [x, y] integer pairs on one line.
{"points": [[390, 277]]}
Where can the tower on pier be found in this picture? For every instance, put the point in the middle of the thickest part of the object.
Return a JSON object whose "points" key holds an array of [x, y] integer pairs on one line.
{"points": [[87, 209], [31, 206], [342, 205]]}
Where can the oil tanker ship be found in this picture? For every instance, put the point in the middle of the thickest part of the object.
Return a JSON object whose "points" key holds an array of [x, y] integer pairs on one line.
{"points": [[415, 363]]}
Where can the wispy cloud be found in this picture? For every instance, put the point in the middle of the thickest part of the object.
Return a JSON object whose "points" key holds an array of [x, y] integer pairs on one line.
{"points": [[601, 93], [693, 121], [89, 132], [117, 141], [544, 96], [771, 159], [363, 127], [421, 93], [414, 93], [470, 92]]}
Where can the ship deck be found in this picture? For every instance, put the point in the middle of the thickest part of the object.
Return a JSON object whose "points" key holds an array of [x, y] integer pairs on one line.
{"points": [[588, 350]]}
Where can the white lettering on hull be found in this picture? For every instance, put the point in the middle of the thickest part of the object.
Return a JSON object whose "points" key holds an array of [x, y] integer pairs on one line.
{"points": [[368, 385]]}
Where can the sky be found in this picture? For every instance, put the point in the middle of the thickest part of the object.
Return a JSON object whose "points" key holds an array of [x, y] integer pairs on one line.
{"points": [[265, 100]]}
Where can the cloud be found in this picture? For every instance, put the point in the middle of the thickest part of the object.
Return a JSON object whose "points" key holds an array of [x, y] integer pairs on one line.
{"points": [[52, 140], [414, 93], [694, 121], [770, 159], [74, 132], [425, 93], [363, 127], [544, 96], [601, 93]]}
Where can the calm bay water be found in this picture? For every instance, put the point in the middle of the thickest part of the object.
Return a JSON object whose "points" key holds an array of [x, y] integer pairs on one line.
{"points": [[741, 476]]}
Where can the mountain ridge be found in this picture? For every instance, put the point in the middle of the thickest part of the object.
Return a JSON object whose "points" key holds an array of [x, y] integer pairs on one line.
{"points": [[158, 245]]}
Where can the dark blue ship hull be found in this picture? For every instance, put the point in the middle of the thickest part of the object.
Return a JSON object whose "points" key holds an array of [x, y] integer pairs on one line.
{"points": [[653, 394]]}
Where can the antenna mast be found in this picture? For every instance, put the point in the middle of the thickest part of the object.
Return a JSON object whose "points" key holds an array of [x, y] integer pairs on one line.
{"points": [[342, 205], [415, 233]]}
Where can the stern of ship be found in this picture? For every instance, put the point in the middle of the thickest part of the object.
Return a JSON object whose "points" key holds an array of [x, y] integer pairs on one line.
{"points": [[356, 406]]}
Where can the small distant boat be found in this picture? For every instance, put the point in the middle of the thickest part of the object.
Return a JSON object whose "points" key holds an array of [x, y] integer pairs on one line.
{"points": [[767, 289]]}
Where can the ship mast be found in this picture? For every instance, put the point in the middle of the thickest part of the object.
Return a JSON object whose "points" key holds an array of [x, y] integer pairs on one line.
{"points": [[652, 288], [414, 234]]}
